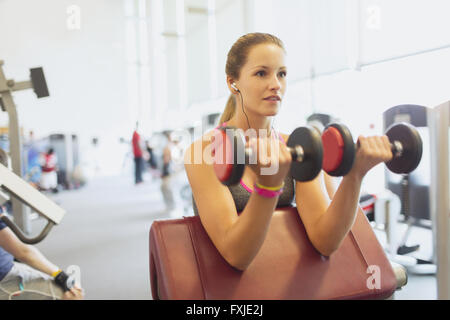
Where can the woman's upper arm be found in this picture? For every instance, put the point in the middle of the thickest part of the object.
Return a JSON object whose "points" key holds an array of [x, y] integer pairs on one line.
{"points": [[214, 201], [312, 201], [311, 198]]}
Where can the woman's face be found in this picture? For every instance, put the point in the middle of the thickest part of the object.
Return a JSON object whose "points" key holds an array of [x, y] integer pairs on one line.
{"points": [[262, 81]]}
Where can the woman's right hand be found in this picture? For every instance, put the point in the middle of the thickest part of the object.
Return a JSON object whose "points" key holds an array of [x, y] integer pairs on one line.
{"points": [[372, 151], [273, 160], [75, 293]]}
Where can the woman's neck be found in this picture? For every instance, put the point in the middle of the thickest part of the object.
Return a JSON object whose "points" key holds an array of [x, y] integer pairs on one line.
{"points": [[256, 123]]}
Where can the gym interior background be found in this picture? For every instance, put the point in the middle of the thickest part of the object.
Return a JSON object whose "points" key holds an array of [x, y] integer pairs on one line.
{"points": [[111, 63]]}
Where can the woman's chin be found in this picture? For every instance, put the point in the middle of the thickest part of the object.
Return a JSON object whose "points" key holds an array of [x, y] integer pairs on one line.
{"points": [[268, 111], [272, 111]]}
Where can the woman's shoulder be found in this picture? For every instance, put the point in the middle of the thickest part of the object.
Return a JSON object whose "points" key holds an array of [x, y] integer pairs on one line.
{"points": [[196, 150], [204, 140]]}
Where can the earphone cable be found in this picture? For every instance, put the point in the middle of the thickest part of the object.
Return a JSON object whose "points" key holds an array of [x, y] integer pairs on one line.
{"points": [[242, 105]]}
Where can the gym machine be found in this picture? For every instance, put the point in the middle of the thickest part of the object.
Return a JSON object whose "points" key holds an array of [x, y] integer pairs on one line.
{"points": [[22, 190], [25, 193], [7, 86], [413, 191], [67, 150], [439, 124], [320, 120]]}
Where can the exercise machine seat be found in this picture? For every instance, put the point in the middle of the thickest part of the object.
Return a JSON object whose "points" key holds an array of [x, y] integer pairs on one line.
{"points": [[185, 265]]}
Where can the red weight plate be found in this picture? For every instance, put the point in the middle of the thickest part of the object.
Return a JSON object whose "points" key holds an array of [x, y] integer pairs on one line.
{"points": [[222, 154], [333, 149]]}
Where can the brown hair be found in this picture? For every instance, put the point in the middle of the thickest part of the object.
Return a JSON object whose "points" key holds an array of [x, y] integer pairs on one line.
{"points": [[236, 59]]}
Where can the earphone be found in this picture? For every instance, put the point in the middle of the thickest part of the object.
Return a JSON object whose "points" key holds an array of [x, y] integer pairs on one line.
{"points": [[233, 85]]}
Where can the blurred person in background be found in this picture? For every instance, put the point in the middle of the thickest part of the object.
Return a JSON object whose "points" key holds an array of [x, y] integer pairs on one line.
{"points": [[151, 160], [49, 166], [33, 169], [166, 173], [138, 155]]}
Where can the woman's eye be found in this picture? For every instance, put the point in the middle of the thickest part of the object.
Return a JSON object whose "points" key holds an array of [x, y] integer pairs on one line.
{"points": [[260, 73], [283, 74]]}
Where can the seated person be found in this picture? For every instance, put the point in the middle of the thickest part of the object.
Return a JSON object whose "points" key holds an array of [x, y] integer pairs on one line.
{"points": [[33, 277], [236, 218]]}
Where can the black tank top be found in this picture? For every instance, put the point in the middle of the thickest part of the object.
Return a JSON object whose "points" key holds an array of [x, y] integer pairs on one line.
{"points": [[241, 195]]}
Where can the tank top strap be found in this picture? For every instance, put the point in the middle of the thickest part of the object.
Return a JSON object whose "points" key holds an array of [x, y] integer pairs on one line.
{"points": [[222, 125], [280, 137]]}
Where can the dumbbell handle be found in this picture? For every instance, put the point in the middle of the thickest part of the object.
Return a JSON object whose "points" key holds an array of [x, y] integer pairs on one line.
{"points": [[297, 153], [396, 148]]}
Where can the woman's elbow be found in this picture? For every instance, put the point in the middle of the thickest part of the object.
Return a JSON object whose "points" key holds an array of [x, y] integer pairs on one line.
{"points": [[236, 262], [326, 252], [23, 253], [241, 266], [325, 249]]}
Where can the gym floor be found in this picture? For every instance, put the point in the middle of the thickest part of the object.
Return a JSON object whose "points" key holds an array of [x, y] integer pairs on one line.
{"points": [[105, 233]]}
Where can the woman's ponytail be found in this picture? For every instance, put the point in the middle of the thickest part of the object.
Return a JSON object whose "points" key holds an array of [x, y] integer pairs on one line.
{"points": [[229, 111]]}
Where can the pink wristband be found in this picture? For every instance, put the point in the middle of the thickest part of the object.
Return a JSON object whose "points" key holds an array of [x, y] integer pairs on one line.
{"points": [[267, 193]]}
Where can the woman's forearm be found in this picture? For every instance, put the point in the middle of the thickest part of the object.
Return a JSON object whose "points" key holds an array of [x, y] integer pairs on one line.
{"points": [[34, 258], [337, 221], [246, 235]]}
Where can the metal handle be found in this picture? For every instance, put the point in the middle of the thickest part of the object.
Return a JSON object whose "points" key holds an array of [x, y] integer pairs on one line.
{"points": [[297, 153], [397, 149], [22, 236]]}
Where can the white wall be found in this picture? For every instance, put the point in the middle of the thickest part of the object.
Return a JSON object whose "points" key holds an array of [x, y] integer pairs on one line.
{"points": [[401, 27], [85, 69]]}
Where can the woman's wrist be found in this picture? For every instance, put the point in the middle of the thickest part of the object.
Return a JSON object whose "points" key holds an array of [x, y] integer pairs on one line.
{"points": [[56, 272], [268, 192], [270, 188], [358, 171], [269, 184], [354, 177]]}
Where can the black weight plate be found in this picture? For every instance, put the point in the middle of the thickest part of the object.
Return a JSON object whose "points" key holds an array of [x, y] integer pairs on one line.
{"points": [[309, 139], [411, 141], [349, 150]]}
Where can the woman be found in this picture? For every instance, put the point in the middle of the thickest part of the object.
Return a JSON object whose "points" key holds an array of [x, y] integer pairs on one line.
{"points": [[34, 277], [256, 77]]}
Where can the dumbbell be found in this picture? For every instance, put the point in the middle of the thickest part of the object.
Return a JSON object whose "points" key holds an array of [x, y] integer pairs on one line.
{"points": [[304, 144], [339, 149], [65, 281]]}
